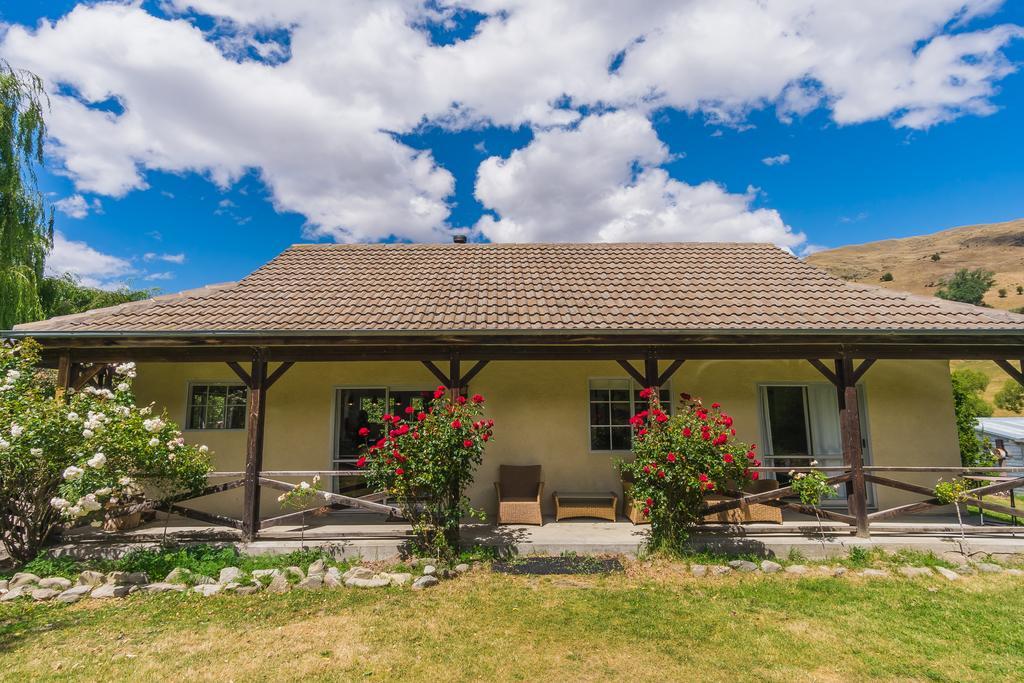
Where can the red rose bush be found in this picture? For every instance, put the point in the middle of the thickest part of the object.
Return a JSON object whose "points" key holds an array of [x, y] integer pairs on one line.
{"points": [[681, 459], [425, 460]]}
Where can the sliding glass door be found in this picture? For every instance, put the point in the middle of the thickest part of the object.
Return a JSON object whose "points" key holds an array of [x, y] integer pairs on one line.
{"points": [[801, 425]]}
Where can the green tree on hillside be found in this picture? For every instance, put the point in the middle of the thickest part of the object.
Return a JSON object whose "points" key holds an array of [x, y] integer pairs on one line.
{"points": [[1011, 396], [26, 227], [968, 406], [967, 286]]}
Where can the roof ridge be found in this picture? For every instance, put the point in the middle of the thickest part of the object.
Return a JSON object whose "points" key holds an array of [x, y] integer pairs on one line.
{"points": [[952, 306], [521, 245]]}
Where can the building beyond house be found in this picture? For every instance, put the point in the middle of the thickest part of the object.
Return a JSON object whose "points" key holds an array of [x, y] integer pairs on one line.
{"points": [[1006, 436], [560, 338]]}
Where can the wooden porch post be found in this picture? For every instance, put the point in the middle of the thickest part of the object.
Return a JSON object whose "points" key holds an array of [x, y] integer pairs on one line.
{"points": [[65, 375], [254, 445], [651, 372], [853, 455]]}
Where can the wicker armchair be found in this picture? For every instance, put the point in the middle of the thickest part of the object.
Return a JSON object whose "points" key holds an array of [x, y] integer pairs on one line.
{"points": [[519, 492], [759, 512]]}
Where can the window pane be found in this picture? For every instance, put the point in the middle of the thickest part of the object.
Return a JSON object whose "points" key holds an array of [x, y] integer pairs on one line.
{"points": [[787, 420], [621, 413], [195, 418], [598, 394], [620, 395], [215, 411], [235, 418], [237, 395], [358, 408], [620, 438], [198, 395], [600, 439], [599, 414]]}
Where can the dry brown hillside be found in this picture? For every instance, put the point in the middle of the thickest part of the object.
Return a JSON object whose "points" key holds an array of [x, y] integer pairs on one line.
{"points": [[999, 247]]}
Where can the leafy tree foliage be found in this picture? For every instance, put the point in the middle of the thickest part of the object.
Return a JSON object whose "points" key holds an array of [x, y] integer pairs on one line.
{"points": [[26, 228], [968, 406], [65, 295], [1011, 396], [967, 286]]}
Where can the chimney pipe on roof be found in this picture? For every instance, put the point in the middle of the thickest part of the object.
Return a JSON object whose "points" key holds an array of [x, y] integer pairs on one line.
{"points": [[459, 239]]}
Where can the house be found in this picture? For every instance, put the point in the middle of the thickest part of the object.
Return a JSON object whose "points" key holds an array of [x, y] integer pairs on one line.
{"points": [[275, 372], [1006, 434]]}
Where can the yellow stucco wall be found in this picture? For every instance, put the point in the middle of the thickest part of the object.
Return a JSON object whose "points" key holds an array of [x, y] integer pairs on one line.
{"points": [[541, 411]]}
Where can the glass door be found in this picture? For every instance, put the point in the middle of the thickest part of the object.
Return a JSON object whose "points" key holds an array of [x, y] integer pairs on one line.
{"points": [[801, 426]]}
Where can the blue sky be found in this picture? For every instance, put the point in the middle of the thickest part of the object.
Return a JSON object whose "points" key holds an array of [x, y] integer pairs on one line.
{"points": [[437, 118]]}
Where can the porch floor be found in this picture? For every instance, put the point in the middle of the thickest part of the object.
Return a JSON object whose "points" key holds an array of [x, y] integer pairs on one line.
{"points": [[350, 534]]}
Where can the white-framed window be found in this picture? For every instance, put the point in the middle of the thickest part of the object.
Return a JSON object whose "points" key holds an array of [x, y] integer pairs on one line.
{"points": [[216, 405], [612, 402]]}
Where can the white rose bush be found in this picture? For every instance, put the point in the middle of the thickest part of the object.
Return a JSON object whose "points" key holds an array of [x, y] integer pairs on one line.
{"points": [[90, 454]]}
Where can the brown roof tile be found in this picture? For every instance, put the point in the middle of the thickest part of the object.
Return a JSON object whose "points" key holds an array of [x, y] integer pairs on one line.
{"points": [[424, 287]]}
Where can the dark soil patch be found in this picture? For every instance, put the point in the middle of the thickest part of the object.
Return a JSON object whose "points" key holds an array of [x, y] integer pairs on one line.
{"points": [[558, 565]]}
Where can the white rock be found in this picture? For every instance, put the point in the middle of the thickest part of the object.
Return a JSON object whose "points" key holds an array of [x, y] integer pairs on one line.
{"points": [[839, 571], [333, 580], [425, 581], [208, 589], [770, 567], [247, 590], [398, 578], [229, 574], [279, 584], [719, 570], [318, 567], [874, 573], [294, 571], [91, 578], [58, 582], [988, 568], [376, 582], [429, 570], [128, 578], [797, 569], [231, 586], [178, 575], [357, 573], [1014, 572], [912, 572], [164, 587], [3, 585], [948, 573], [15, 593], [462, 568], [44, 594], [111, 590], [743, 566], [74, 594], [311, 583], [698, 570], [22, 579], [201, 580]]}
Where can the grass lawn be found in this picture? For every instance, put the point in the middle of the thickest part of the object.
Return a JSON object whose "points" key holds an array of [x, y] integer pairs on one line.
{"points": [[654, 621], [999, 500]]}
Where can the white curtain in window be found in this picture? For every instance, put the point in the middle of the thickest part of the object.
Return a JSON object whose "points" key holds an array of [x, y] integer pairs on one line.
{"points": [[823, 408]]}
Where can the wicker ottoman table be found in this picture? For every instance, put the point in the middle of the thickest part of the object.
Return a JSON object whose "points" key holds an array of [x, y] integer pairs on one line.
{"points": [[570, 504]]}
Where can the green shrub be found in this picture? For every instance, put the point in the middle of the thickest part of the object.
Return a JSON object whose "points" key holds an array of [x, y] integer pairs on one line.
{"points": [[936, 256], [967, 286], [886, 277], [1002, 292]]}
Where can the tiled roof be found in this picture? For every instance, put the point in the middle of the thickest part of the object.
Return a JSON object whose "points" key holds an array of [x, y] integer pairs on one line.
{"points": [[535, 287]]}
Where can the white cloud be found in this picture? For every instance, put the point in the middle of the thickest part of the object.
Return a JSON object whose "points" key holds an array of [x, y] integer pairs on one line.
{"points": [[777, 160], [316, 121], [601, 182], [77, 206], [92, 267], [169, 258], [166, 275]]}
